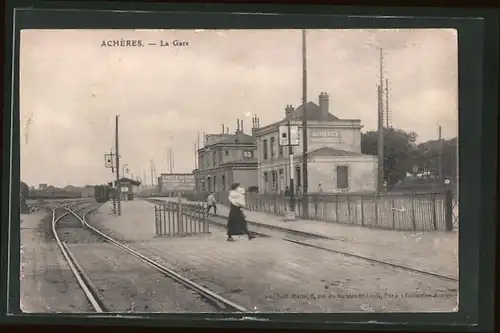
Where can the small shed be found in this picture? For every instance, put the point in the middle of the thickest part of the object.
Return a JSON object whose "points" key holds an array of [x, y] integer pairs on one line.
{"points": [[126, 186]]}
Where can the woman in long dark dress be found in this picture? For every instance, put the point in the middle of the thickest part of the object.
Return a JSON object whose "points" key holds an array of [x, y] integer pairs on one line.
{"points": [[236, 222]]}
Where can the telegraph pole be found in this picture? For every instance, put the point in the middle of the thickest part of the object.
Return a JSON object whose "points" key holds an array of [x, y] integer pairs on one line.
{"points": [[117, 155], [380, 132], [440, 157], [387, 110], [292, 185], [195, 156], [152, 179], [304, 124], [112, 172]]}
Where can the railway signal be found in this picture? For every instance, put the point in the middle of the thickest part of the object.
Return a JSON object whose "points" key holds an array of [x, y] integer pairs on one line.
{"points": [[109, 161]]}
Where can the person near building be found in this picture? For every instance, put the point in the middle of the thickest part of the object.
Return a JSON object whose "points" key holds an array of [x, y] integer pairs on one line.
{"points": [[236, 222], [212, 203], [298, 192]]}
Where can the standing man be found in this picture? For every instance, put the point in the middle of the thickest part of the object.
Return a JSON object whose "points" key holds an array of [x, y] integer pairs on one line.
{"points": [[288, 193], [212, 203]]}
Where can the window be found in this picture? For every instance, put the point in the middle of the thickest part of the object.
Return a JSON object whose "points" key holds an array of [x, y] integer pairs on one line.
{"points": [[281, 180], [342, 177], [223, 182], [281, 149], [215, 183], [264, 149], [209, 184], [214, 158], [203, 186], [226, 152], [298, 176], [274, 180], [273, 148], [265, 181]]}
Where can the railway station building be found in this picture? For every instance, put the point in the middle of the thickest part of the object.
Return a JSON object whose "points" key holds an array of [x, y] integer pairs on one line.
{"points": [[334, 153], [226, 158]]}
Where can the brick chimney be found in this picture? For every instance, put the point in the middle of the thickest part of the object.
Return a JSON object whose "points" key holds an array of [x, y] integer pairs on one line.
{"points": [[255, 125], [323, 103], [288, 110]]}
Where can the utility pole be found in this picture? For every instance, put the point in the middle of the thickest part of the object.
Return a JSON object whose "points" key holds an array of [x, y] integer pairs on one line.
{"points": [[195, 156], [440, 157], [171, 160], [152, 177], [117, 154], [380, 131], [112, 172], [387, 110], [292, 185], [304, 125]]}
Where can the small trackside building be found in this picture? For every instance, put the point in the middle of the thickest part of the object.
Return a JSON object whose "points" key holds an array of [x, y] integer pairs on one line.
{"points": [[126, 187]]}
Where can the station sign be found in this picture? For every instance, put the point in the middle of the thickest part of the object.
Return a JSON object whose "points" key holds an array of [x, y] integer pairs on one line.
{"points": [[177, 182], [294, 134], [326, 136]]}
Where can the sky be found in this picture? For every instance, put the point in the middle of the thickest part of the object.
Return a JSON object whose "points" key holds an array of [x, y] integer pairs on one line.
{"points": [[72, 87]]}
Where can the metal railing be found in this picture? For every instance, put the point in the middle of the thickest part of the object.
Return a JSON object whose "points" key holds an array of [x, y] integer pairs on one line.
{"points": [[401, 211], [181, 219]]}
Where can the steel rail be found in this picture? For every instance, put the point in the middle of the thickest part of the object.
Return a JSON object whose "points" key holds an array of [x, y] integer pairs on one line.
{"points": [[206, 293], [347, 254], [73, 265], [375, 261]]}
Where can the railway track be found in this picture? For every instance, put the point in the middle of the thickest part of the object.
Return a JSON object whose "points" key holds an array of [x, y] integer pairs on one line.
{"points": [[219, 221], [81, 277], [221, 303]]}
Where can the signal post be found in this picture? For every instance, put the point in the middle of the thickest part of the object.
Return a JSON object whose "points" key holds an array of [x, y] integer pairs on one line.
{"points": [[289, 136]]}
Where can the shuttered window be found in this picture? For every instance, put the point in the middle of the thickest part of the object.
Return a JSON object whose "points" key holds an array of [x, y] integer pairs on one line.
{"points": [[342, 177]]}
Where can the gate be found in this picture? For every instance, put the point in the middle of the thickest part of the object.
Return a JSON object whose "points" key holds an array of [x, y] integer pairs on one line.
{"points": [[181, 219]]}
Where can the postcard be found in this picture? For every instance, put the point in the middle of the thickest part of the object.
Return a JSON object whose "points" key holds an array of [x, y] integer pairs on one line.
{"points": [[250, 171]]}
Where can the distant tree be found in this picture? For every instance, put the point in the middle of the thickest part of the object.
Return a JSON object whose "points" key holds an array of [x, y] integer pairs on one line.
{"points": [[427, 154], [24, 194], [399, 147]]}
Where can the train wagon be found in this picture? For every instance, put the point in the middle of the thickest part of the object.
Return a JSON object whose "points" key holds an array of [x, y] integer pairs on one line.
{"points": [[102, 193]]}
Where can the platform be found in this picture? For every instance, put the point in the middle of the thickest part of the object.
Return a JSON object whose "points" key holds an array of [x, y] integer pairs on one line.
{"points": [[434, 251], [271, 275]]}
